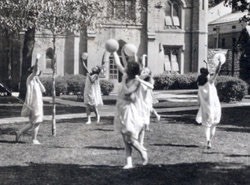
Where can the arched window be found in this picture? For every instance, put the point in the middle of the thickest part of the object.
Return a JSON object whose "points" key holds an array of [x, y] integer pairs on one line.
{"points": [[49, 57], [172, 14]]}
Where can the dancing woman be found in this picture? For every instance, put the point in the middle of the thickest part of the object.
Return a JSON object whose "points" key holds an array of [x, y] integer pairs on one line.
{"points": [[127, 120], [92, 92], [209, 113], [33, 105]]}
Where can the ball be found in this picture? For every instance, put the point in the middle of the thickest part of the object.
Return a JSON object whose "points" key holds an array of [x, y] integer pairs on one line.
{"points": [[112, 45], [130, 49], [219, 57]]}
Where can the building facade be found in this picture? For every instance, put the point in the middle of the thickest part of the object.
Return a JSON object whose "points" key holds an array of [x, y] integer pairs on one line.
{"points": [[173, 34]]}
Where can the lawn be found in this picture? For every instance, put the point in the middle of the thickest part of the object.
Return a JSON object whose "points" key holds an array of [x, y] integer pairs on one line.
{"points": [[94, 154]]}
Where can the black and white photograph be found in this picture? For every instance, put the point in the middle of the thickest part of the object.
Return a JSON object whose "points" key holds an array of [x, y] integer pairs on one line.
{"points": [[124, 92]]}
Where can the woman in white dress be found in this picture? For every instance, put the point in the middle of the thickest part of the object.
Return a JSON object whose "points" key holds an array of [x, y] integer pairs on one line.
{"points": [[209, 113], [128, 121], [33, 105], [92, 92]]}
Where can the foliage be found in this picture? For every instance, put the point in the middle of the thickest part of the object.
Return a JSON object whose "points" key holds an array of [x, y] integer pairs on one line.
{"points": [[175, 81], [61, 85], [241, 5], [75, 83], [231, 88], [106, 87]]}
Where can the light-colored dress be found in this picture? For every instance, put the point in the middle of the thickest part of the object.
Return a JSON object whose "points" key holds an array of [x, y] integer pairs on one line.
{"points": [[92, 91], [127, 118], [145, 103], [210, 108], [33, 104]]}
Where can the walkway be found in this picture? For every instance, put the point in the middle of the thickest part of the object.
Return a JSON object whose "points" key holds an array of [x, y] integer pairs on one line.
{"points": [[182, 96]]}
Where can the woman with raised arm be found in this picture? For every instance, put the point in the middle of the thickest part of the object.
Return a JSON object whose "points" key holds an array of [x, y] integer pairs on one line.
{"points": [[209, 113], [92, 92], [33, 105], [127, 120]]}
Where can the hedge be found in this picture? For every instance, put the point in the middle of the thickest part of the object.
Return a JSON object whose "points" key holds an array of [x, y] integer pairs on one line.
{"points": [[72, 84], [175, 81], [106, 87], [229, 88]]}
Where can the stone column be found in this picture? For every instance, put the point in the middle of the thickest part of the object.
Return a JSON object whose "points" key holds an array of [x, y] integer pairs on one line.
{"points": [[76, 53]]}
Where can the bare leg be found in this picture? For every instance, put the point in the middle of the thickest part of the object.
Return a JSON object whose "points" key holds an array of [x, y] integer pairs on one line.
{"points": [[35, 132], [135, 143], [97, 114], [213, 129], [23, 130], [128, 150], [88, 112], [141, 136], [158, 117], [208, 136]]}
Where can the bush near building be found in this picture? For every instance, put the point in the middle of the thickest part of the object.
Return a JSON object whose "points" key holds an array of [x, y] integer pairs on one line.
{"points": [[229, 88], [72, 84]]}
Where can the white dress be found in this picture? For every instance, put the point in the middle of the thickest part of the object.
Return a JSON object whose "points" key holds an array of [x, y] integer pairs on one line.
{"points": [[145, 103], [127, 118], [92, 92], [33, 105], [210, 108]]}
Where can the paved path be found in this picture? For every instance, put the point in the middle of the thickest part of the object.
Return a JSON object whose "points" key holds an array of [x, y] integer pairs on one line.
{"points": [[109, 110]]}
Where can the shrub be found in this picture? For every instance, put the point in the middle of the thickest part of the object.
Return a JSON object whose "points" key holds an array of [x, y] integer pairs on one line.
{"points": [[75, 83], [61, 85], [106, 87], [231, 88], [175, 81], [47, 83], [60, 82], [162, 82]]}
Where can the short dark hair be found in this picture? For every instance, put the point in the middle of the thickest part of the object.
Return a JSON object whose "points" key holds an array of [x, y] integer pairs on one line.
{"points": [[133, 69], [204, 71]]}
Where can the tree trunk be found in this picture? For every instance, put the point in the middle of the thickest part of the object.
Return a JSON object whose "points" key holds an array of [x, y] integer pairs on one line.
{"points": [[54, 87], [28, 46]]}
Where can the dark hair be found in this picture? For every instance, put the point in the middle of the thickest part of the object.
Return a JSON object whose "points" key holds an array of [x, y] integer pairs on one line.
{"points": [[133, 69], [202, 78], [204, 71], [96, 71]]}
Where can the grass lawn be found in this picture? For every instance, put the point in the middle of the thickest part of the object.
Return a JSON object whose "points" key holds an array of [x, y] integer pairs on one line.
{"points": [[94, 154]]}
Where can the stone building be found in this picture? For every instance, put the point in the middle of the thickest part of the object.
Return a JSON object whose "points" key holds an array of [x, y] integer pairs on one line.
{"points": [[224, 30], [173, 34]]}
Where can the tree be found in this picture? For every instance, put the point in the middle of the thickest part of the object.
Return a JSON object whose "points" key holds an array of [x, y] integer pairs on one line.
{"points": [[15, 16], [65, 16]]}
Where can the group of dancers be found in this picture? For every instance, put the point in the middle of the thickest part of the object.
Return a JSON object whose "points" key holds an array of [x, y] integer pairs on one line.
{"points": [[134, 104]]}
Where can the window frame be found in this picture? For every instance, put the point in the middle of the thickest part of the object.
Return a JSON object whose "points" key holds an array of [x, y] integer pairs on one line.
{"points": [[172, 5]]}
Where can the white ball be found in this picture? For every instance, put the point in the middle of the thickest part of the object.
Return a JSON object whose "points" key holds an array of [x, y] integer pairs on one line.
{"points": [[130, 49], [112, 45], [219, 57]]}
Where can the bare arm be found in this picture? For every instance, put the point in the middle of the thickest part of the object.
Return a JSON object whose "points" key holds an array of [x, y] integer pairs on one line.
{"points": [[148, 84], [132, 88], [118, 63], [124, 60], [212, 79], [40, 84], [84, 66]]}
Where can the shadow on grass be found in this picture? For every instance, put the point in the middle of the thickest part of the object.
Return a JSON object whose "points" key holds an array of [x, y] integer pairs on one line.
{"points": [[184, 174], [241, 129], [104, 148], [176, 145], [104, 130]]}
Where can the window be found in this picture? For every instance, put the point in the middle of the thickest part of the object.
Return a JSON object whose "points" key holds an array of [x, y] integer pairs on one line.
{"points": [[172, 15], [171, 63], [49, 57], [233, 27], [113, 71], [121, 9], [214, 29]]}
